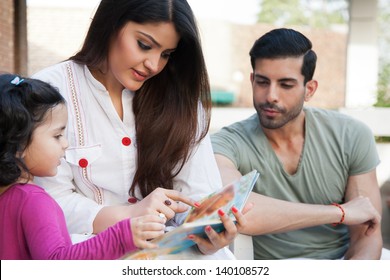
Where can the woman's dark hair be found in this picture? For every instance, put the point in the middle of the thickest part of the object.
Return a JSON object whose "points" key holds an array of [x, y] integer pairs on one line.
{"points": [[282, 43], [24, 104], [167, 106]]}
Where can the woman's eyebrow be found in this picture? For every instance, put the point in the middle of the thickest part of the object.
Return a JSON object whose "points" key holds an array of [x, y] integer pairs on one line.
{"points": [[150, 38], [153, 40]]}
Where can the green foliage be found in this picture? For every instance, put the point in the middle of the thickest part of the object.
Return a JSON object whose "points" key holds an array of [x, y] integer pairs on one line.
{"points": [[273, 11], [383, 95], [382, 139], [301, 12]]}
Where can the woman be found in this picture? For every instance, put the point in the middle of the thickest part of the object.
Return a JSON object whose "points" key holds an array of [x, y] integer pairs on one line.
{"points": [[139, 110]]}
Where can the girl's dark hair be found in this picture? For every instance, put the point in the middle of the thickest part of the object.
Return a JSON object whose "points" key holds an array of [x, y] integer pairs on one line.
{"points": [[24, 104], [282, 43], [166, 107]]}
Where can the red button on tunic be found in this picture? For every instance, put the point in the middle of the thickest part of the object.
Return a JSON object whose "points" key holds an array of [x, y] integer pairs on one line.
{"points": [[132, 200], [83, 163], [126, 141]]}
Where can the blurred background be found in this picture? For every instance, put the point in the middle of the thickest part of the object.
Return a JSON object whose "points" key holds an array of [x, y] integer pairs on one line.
{"points": [[350, 37]]}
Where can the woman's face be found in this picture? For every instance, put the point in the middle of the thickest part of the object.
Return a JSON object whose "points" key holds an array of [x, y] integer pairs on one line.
{"points": [[141, 51]]}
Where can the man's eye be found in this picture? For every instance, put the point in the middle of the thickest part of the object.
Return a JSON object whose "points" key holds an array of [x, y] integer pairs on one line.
{"points": [[262, 83], [287, 86]]}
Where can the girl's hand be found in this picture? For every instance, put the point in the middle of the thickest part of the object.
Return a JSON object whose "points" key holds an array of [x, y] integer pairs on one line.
{"points": [[146, 228], [167, 202]]}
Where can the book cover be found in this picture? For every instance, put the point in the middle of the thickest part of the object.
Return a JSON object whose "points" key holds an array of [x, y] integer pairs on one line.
{"points": [[174, 241]]}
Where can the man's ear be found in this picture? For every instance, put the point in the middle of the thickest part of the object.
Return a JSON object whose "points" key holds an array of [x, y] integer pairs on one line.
{"points": [[310, 89]]}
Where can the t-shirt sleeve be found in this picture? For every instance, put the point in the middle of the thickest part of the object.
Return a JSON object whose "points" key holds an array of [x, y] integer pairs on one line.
{"points": [[43, 226], [361, 147], [224, 143], [113, 243], [47, 236]]}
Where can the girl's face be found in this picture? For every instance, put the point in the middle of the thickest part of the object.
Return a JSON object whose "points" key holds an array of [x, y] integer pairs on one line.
{"points": [[140, 52], [48, 144]]}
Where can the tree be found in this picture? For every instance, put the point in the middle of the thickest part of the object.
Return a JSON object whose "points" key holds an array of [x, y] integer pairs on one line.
{"points": [[383, 97], [315, 13]]}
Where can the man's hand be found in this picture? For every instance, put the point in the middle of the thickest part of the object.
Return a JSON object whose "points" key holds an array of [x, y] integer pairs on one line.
{"points": [[360, 210]]}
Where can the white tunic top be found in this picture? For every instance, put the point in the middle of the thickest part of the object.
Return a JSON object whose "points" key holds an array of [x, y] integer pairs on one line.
{"points": [[100, 162]]}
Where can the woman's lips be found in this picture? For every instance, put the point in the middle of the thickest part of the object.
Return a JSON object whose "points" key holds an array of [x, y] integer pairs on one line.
{"points": [[139, 76]]}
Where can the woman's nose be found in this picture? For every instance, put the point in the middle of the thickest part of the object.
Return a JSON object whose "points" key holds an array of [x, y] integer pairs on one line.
{"points": [[152, 64]]}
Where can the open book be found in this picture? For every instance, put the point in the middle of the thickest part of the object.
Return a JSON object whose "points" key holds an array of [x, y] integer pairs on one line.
{"points": [[176, 240]]}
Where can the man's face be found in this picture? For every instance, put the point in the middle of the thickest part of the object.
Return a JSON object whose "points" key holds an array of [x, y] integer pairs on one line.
{"points": [[278, 90]]}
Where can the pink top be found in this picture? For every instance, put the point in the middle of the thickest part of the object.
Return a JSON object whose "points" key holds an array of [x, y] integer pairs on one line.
{"points": [[32, 226]]}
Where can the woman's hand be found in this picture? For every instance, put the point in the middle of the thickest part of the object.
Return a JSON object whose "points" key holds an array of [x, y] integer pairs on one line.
{"points": [[146, 228], [216, 240]]}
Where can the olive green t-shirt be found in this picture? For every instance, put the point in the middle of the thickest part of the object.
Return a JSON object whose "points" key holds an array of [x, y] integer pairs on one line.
{"points": [[336, 147]]}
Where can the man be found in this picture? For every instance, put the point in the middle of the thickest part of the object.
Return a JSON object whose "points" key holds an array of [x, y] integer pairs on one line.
{"points": [[315, 158]]}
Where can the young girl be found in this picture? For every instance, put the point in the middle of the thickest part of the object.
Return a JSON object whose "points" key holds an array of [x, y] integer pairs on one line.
{"points": [[33, 117]]}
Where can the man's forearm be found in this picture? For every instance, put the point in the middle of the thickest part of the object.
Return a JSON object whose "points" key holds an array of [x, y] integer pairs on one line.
{"points": [[270, 215], [363, 247]]}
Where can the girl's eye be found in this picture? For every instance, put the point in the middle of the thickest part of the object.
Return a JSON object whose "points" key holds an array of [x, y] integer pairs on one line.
{"points": [[143, 46], [58, 136]]}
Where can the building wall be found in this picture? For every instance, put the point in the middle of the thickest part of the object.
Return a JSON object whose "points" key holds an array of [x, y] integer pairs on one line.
{"points": [[55, 34], [7, 33], [13, 37]]}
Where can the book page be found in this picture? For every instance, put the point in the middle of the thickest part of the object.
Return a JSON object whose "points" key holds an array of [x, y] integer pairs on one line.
{"points": [[176, 240]]}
